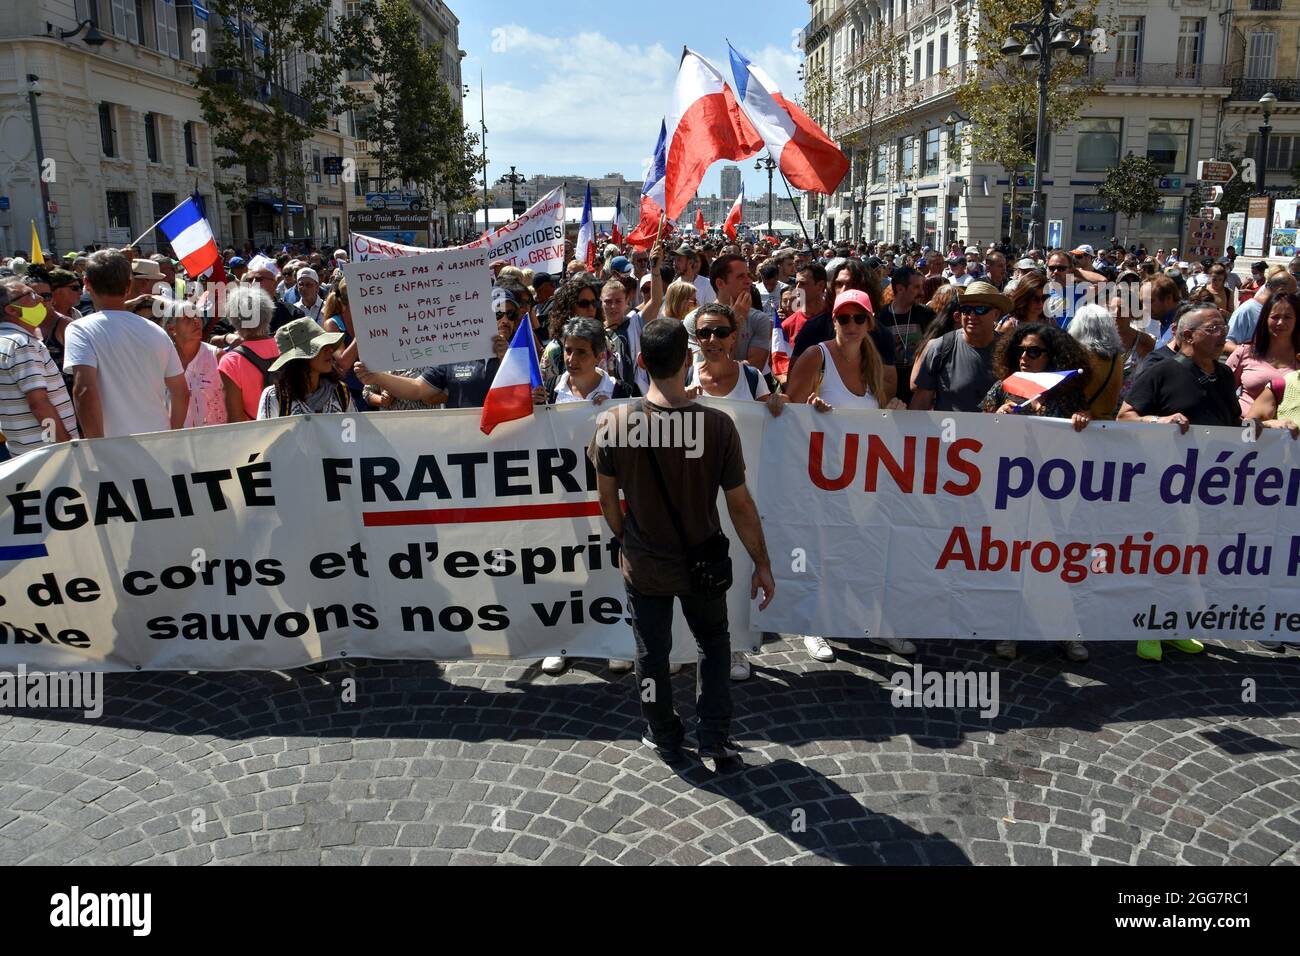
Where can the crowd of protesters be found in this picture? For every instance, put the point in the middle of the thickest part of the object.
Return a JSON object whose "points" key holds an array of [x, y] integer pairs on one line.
{"points": [[114, 343]]}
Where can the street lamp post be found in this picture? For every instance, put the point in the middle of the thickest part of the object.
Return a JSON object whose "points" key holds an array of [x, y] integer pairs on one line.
{"points": [[768, 163], [1266, 101], [482, 122], [33, 91], [514, 179], [1035, 40]]}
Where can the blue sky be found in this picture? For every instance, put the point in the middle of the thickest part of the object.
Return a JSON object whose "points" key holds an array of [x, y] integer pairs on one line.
{"points": [[580, 88]]}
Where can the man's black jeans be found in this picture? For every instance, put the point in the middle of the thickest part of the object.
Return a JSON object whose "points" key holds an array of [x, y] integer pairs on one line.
{"points": [[652, 620]]}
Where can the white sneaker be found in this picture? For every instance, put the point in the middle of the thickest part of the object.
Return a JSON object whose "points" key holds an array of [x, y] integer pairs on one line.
{"points": [[818, 649], [620, 667], [740, 669], [1076, 651], [899, 645], [675, 668], [554, 665]]}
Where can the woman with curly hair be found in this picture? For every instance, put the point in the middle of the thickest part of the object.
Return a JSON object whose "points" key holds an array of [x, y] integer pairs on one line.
{"points": [[1040, 348], [577, 298]]}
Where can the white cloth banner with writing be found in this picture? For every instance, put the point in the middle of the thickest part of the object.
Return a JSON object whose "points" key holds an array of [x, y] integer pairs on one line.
{"points": [[533, 241], [412, 535]]}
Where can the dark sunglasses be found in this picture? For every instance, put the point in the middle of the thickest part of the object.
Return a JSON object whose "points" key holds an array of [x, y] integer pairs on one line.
{"points": [[585, 304], [1033, 352], [1058, 268], [859, 318], [714, 332], [975, 309], [508, 313]]}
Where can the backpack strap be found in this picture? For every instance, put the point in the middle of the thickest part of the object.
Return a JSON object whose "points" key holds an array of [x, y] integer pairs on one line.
{"points": [[1278, 386], [1110, 373], [751, 379], [261, 364]]}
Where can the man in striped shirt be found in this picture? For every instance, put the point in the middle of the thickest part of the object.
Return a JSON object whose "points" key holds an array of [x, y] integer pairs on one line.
{"points": [[34, 405]]}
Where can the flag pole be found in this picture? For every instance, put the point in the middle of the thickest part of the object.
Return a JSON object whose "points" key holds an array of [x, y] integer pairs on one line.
{"points": [[796, 210], [155, 225]]}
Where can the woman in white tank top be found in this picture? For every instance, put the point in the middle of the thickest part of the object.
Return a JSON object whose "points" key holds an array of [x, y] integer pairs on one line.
{"points": [[719, 375], [851, 376], [850, 370]]}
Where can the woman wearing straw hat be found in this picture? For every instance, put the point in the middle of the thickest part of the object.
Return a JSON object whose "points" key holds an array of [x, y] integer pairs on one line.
{"points": [[307, 381]]}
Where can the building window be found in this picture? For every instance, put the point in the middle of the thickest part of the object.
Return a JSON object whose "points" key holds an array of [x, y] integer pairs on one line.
{"points": [[1167, 144], [931, 160], [163, 203], [904, 220], [1128, 46], [151, 137], [1098, 144], [1283, 153], [916, 64], [1191, 43], [119, 211], [315, 165], [930, 222], [882, 163], [1164, 227], [107, 131], [168, 40], [929, 58], [906, 156], [125, 24], [1261, 55], [943, 51], [189, 145]]}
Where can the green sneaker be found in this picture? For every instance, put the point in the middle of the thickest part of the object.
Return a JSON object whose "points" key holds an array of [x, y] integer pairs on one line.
{"points": [[1188, 645], [1150, 650]]}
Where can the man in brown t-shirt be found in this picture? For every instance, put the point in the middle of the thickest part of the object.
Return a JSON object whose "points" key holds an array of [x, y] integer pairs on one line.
{"points": [[698, 451]]}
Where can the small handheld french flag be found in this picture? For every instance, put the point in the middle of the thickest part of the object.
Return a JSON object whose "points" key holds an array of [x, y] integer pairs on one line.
{"points": [[511, 394], [1031, 385], [191, 237]]}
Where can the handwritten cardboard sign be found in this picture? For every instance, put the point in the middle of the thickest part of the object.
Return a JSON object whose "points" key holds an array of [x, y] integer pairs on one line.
{"points": [[423, 310]]}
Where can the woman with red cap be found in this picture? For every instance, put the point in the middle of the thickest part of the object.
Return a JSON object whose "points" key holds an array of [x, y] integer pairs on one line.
{"points": [[846, 372]]}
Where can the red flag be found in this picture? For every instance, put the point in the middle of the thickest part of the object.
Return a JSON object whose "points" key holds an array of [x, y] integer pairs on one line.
{"points": [[699, 222]]}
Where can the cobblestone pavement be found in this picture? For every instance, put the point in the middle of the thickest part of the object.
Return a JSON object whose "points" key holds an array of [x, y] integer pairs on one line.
{"points": [[1114, 761]]}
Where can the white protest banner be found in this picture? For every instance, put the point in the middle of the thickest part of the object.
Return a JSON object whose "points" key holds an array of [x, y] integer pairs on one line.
{"points": [[533, 241], [997, 527], [365, 248], [422, 310], [411, 535], [271, 544]]}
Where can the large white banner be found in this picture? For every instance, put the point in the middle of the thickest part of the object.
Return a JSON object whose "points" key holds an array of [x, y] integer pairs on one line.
{"points": [[272, 544], [533, 241], [412, 535], [997, 527]]}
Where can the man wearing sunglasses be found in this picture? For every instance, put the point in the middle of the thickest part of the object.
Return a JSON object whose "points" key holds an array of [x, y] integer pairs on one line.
{"points": [[957, 370]]}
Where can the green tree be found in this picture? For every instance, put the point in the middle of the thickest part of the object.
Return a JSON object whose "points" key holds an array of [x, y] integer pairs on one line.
{"points": [[416, 129], [1129, 188], [1000, 93], [260, 125]]}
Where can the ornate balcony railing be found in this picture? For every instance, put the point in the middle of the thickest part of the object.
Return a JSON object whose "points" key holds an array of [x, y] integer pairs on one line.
{"points": [[1286, 89]]}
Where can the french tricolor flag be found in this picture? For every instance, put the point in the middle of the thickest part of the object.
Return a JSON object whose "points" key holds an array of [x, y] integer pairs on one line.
{"points": [[584, 249], [652, 195], [807, 157], [704, 124], [1031, 385], [780, 346], [191, 237], [511, 394], [620, 226]]}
